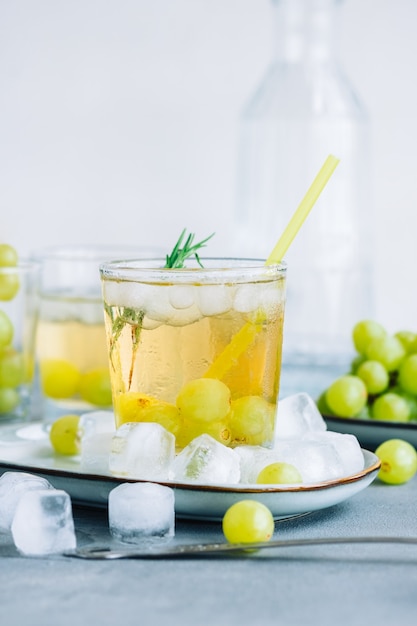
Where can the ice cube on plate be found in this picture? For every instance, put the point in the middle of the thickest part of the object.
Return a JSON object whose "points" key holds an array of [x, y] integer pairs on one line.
{"points": [[142, 512], [12, 486], [206, 461], [96, 422], [96, 430], [143, 450], [95, 453], [43, 523], [317, 461], [347, 447], [296, 415], [252, 460]]}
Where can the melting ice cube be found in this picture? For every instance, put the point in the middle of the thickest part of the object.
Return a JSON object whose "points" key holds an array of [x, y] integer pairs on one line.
{"points": [[96, 431], [12, 486], [205, 460], [252, 460], [142, 512], [43, 523], [142, 450], [346, 446], [297, 414], [214, 299], [317, 461], [96, 422]]}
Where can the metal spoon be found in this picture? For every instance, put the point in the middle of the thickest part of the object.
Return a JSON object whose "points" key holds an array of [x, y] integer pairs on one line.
{"points": [[208, 549]]}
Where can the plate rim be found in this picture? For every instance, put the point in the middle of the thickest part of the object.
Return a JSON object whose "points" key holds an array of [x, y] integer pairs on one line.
{"points": [[372, 465]]}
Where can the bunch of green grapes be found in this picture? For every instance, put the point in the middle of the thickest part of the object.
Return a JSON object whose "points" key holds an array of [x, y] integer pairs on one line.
{"points": [[11, 361], [382, 382]]}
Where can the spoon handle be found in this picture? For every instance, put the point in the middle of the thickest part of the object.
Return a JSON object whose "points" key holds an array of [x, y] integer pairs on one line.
{"points": [[201, 549]]}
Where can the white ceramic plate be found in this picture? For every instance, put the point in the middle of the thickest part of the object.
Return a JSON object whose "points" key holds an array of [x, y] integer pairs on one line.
{"points": [[370, 433], [26, 448]]}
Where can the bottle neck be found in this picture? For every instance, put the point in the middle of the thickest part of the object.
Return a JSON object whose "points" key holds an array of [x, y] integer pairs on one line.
{"points": [[305, 31]]}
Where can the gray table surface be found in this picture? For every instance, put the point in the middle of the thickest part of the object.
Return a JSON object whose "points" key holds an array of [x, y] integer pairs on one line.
{"points": [[344, 584]]}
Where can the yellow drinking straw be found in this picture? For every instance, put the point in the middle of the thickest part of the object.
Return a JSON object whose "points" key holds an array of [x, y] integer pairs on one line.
{"points": [[242, 340], [303, 210]]}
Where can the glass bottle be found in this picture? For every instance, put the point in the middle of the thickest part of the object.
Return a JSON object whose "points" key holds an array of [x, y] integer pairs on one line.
{"points": [[303, 110]]}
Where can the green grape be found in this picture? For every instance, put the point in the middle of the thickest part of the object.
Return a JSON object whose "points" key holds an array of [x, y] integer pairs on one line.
{"points": [[356, 362], [138, 407], [387, 350], [409, 398], [9, 400], [391, 407], [347, 396], [204, 400], [95, 387], [163, 413], [6, 330], [8, 255], [252, 420], [60, 379], [408, 340], [322, 405], [248, 521], [12, 369], [365, 413], [9, 285], [129, 406], [279, 474], [220, 431], [412, 349], [407, 374], [64, 435], [398, 461], [364, 332], [374, 375]]}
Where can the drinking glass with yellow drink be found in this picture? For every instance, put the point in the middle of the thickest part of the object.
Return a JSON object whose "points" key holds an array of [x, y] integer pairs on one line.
{"points": [[198, 348], [71, 343]]}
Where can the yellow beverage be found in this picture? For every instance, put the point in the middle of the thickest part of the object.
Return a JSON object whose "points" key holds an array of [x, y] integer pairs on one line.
{"points": [[71, 339], [71, 350], [197, 350]]}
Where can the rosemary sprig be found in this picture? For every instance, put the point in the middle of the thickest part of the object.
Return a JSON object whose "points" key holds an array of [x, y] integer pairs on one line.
{"points": [[180, 254]]}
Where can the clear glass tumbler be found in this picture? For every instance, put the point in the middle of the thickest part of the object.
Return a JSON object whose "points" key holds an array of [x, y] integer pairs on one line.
{"points": [[18, 318], [71, 344], [198, 349]]}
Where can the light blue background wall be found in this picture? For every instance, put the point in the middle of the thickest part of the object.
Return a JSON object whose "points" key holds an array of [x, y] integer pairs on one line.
{"points": [[119, 118]]}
